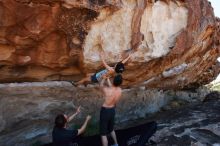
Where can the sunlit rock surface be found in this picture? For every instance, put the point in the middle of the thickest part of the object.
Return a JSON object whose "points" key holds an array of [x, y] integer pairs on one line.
{"points": [[42, 40]]}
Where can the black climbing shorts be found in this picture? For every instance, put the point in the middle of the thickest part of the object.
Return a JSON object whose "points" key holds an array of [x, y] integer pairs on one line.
{"points": [[107, 118], [94, 79]]}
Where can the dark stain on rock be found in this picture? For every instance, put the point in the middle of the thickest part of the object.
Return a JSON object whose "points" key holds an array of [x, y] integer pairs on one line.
{"points": [[18, 70], [101, 2], [97, 2], [76, 21]]}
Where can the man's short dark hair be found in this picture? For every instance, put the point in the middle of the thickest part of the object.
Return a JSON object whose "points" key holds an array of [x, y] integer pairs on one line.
{"points": [[117, 80], [60, 121], [119, 68]]}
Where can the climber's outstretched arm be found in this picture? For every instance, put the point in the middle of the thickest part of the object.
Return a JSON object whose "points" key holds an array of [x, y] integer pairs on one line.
{"points": [[126, 59], [104, 63]]}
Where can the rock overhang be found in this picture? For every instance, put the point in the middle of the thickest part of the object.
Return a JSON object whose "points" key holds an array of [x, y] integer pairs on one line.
{"points": [[61, 40]]}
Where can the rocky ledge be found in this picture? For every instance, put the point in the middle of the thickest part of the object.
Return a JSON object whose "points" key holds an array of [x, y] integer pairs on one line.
{"points": [[196, 124]]}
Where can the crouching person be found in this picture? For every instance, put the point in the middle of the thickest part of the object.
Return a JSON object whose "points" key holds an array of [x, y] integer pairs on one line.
{"points": [[63, 136]]}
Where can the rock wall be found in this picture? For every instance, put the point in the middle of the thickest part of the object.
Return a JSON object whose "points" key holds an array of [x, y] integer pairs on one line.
{"points": [[28, 110], [175, 45], [174, 41]]}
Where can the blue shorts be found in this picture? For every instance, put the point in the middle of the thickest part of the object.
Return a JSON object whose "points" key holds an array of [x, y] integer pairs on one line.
{"points": [[94, 79]]}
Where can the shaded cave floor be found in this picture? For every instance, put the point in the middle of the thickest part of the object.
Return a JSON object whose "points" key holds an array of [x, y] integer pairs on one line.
{"points": [[195, 124]]}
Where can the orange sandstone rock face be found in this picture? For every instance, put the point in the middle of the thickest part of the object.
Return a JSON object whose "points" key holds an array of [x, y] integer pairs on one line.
{"points": [[43, 40]]}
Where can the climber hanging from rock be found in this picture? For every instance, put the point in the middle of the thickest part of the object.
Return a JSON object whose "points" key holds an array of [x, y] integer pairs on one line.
{"points": [[108, 71]]}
